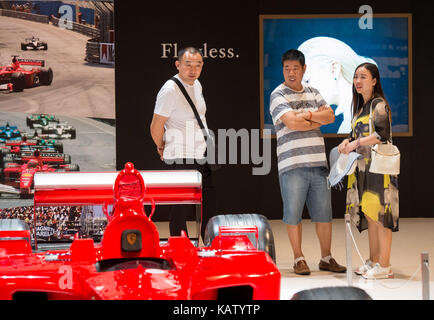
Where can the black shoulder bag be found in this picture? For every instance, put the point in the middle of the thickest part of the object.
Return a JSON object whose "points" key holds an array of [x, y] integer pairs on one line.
{"points": [[209, 142]]}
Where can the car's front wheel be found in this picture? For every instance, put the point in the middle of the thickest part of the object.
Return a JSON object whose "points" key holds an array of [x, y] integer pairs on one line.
{"points": [[46, 76], [265, 241], [18, 81]]}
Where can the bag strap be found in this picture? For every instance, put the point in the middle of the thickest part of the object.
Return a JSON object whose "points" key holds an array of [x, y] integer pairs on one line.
{"points": [[370, 121], [193, 107]]}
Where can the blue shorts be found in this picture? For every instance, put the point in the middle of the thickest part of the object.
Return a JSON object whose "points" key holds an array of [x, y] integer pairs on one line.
{"points": [[305, 185]]}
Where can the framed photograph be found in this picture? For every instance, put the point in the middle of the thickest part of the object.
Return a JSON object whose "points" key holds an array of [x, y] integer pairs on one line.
{"points": [[334, 45]]}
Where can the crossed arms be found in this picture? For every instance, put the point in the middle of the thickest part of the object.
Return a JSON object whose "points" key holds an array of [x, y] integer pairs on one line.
{"points": [[305, 121]]}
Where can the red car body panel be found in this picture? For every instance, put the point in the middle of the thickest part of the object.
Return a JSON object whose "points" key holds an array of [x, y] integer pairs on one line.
{"points": [[130, 263], [21, 176]]}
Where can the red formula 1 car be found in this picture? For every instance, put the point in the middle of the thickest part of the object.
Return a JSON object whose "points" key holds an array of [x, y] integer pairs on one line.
{"points": [[130, 262], [18, 78], [52, 158], [21, 176]]}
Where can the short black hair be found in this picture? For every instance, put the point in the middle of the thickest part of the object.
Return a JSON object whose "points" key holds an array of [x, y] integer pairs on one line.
{"points": [[191, 50], [294, 54]]}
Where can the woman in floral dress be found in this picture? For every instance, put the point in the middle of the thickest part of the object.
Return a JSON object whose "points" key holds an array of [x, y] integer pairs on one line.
{"points": [[372, 199]]}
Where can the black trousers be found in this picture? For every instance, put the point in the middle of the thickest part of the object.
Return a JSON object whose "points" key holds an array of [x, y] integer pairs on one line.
{"points": [[178, 213]]}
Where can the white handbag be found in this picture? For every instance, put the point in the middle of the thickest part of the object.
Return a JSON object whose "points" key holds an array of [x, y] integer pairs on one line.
{"points": [[385, 157]]}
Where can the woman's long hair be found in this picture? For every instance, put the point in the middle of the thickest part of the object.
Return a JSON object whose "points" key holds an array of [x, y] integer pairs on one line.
{"points": [[358, 101]]}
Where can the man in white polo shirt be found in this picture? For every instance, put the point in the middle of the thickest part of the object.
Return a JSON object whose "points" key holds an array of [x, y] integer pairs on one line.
{"points": [[178, 137]]}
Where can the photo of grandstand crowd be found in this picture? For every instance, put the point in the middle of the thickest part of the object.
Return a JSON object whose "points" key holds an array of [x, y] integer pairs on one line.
{"points": [[60, 223]]}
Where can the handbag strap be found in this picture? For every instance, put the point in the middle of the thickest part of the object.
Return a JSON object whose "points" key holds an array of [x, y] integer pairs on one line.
{"points": [[370, 121], [193, 107]]}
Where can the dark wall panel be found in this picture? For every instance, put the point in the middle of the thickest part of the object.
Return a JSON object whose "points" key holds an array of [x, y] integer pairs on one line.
{"points": [[231, 89]]}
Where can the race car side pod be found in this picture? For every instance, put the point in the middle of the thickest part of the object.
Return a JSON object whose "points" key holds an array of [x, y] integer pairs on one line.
{"points": [[96, 188]]}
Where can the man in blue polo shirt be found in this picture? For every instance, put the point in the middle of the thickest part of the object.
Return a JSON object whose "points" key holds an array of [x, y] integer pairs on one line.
{"points": [[298, 111]]}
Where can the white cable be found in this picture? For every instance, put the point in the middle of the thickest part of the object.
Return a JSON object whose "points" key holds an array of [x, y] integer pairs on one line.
{"points": [[363, 261], [354, 241], [399, 287]]}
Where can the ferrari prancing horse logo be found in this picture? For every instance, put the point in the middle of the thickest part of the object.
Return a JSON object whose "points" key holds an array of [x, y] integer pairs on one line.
{"points": [[131, 238]]}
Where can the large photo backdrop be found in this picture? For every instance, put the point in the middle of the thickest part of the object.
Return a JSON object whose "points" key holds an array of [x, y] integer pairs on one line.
{"points": [[57, 98], [334, 45]]}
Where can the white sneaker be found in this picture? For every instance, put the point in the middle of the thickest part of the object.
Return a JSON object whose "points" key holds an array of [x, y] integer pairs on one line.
{"points": [[378, 272], [362, 269]]}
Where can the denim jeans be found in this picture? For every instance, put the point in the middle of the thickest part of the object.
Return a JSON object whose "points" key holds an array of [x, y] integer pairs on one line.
{"points": [[305, 185]]}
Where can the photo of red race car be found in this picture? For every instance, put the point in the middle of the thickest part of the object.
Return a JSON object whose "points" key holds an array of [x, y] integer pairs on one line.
{"points": [[130, 262], [20, 176], [53, 158], [18, 78]]}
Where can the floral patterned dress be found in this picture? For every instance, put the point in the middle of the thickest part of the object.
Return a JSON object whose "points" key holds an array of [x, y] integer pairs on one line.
{"points": [[370, 194]]}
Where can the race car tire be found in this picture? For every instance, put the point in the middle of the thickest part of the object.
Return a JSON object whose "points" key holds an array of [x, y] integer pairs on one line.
{"points": [[332, 293], [26, 195], [23, 46], [73, 133], [45, 46], [265, 233], [46, 76], [18, 81], [58, 146], [29, 122], [74, 167], [67, 159]]}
